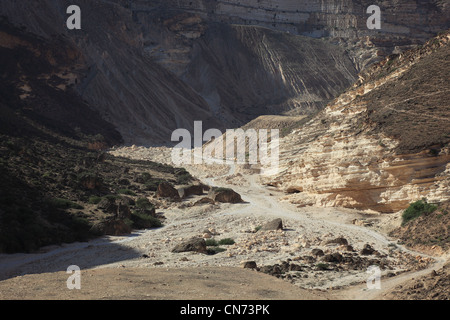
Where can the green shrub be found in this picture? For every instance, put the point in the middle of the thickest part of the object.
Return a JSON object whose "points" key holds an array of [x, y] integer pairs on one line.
{"points": [[222, 242], [143, 221], [322, 266], [226, 242], [417, 209], [127, 192], [144, 203], [64, 204], [215, 250], [183, 177], [95, 199], [211, 243]]}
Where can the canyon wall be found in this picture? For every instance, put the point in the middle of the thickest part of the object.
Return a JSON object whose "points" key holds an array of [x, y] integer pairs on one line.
{"points": [[382, 144], [403, 23]]}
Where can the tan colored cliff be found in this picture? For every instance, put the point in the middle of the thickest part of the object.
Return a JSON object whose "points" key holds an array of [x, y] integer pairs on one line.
{"points": [[382, 144]]}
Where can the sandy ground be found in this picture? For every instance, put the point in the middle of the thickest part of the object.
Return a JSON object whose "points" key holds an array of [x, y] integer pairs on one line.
{"points": [[142, 265]]}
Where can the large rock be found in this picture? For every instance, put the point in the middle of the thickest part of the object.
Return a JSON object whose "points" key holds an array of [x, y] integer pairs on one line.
{"points": [[166, 190], [194, 190], [276, 224], [112, 227], [225, 195], [340, 240], [194, 245]]}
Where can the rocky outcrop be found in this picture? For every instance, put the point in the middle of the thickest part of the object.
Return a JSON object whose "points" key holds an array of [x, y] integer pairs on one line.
{"points": [[276, 224], [166, 190], [225, 195], [194, 245], [382, 144], [343, 21], [111, 227]]}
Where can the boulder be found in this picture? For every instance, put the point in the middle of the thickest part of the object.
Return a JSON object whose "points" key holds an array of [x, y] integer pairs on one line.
{"points": [[367, 250], [192, 245], [334, 257], [340, 240], [225, 195], [204, 200], [317, 252], [112, 227], [166, 190], [276, 224], [249, 265], [194, 190]]}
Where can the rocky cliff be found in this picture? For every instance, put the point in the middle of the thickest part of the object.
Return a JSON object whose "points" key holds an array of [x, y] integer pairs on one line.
{"points": [[345, 21], [150, 66], [382, 144]]}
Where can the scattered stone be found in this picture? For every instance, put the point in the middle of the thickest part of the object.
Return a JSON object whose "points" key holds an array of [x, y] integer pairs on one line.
{"points": [[249, 265], [295, 267], [194, 245], [204, 200], [340, 241], [194, 190], [317, 252], [367, 250], [276, 224], [334, 257]]}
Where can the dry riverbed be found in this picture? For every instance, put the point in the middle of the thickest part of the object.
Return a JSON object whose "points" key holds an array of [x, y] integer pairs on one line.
{"points": [[319, 250]]}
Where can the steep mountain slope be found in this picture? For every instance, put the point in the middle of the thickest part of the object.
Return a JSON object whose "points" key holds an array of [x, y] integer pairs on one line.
{"points": [[380, 145], [403, 23], [150, 66]]}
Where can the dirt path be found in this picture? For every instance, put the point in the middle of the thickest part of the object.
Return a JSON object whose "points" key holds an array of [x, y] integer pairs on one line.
{"points": [[107, 263]]}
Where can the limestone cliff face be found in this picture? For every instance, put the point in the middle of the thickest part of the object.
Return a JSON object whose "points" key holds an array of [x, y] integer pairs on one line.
{"points": [[382, 144], [150, 69], [403, 23]]}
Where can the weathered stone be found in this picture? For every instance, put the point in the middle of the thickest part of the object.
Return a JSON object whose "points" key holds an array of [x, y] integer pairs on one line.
{"points": [[196, 190], [249, 265], [111, 227], [204, 201], [276, 224], [367, 250], [166, 190], [334, 257], [226, 195], [340, 240], [317, 252], [194, 244]]}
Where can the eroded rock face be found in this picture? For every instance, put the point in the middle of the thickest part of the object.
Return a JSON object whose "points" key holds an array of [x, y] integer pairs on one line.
{"points": [[345, 21], [382, 158]]}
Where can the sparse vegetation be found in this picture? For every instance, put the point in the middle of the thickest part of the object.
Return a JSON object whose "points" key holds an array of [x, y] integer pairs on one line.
{"points": [[64, 204], [126, 192], [417, 209], [94, 199], [322, 266]]}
